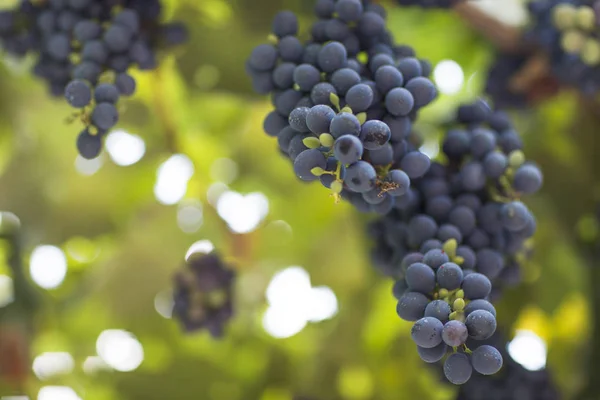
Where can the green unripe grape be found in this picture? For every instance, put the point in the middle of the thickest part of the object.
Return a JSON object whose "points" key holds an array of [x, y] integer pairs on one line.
{"points": [[336, 187], [443, 293], [586, 18], [459, 305], [453, 315], [590, 54], [317, 171], [572, 41], [564, 16], [460, 294], [516, 158], [326, 139], [311, 142]]}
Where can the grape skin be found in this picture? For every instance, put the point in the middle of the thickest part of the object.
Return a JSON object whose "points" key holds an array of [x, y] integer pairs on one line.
{"points": [[433, 355], [427, 332], [306, 161], [481, 324], [458, 369], [486, 360], [420, 278], [454, 333], [411, 306]]}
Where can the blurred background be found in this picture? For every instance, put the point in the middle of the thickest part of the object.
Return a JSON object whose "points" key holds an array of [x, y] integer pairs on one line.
{"points": [[86, 269]]}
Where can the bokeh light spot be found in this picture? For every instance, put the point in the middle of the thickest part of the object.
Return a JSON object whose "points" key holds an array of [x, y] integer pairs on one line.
{"points": [[120, 350], [124, 148], [48, 266], [528, 349], [449, 77]]}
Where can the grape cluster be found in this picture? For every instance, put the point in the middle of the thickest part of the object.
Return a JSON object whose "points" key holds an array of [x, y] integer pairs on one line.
{"points": [[569, 31], [512, 383], [84, 49], [449, 306], [345, 102], [459, 234], [203, 294]]}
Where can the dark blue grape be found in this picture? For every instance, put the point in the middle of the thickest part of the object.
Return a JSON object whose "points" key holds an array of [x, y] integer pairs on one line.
{"points": [[434, 354], [349, 10], [458, 369], [95, 51], [88, 145], [344, 124], [514, 216], [306, 77], [427, 332], [106, 93], [319, 119], [495, 164], [332, 57], [420, 278], [410, 68], [435, 258], [78, 93], [472, 176], [274, 123], [449, 276], [290, 49], [383, 156], [439, 207], [483, 141], [348, 149], [125, 83], [360, 177], [411, 306], [422, 90], [263, 57], [399, 126], [324, 8], [286, 102], [321, 93], [285, 23], [399, 102], [306, 161], [430, 244], [454, 333], [528, 179], [476, 286], [415, 164], [117, 38], [486, 360], [297, 119], [388, 77], [468, 256], [463, 218], [87, 30], [359, 98], [344, 79], [447, 232], [489, 262], [481, 324], [480, 304], [59, 46], [399, 181], [374, 134], [439, 309], [104, 116], [456, 143], [283, 75], [371, 24]]}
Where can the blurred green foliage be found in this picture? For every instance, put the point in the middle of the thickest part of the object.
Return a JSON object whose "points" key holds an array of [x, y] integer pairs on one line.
{"points": [[123, 246]]}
